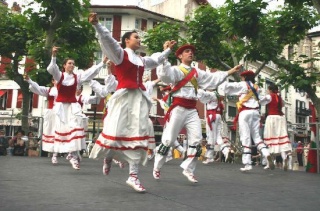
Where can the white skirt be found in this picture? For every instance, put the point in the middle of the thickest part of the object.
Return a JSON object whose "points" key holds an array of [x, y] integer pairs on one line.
{"points": [[69, 131], [48, 131], [125, 131], [276, 135]]}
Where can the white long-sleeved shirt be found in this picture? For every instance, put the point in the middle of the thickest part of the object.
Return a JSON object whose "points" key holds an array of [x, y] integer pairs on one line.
{"points": [[241, 89], [208, 98], [111, 48], [88, 99], [149, 87], [103, 90], [68, 80], [42, 90], [172, 75]]}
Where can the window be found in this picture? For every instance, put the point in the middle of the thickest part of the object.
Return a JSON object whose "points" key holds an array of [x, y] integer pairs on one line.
{"points": [[107, 22], [137, 24], [232, 111], [3, 100], [98, 57], [268, 83], [290, 52], [286, 91]]}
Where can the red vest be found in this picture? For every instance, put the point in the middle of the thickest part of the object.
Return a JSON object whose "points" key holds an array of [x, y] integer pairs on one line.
{"points": [[50, 100], [129, 75], [273, 108], [67, 94]]}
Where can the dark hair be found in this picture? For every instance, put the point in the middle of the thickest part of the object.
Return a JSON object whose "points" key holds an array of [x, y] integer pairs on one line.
{"points": [[65, 62], [273, 88], [250, 78], [126, 35], [20, 131]]}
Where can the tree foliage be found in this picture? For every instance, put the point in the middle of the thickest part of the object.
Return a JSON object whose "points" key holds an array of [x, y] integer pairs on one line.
{"points": [[156, 37], [33, 34]]}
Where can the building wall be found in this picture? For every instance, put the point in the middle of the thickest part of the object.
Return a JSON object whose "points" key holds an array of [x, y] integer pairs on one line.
{"points": [[178, 9]]}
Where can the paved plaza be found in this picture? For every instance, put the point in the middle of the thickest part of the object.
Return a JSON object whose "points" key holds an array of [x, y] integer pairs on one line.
{"points": [[34, 184]]}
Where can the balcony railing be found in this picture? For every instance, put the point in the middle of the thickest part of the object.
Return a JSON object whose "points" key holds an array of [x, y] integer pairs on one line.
{"points": [[303, 111]]}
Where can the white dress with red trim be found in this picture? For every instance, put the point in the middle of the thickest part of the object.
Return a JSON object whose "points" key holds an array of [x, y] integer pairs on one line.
{"points": [[125, 132], [69, 130], [82, 100], [275, 129], [48, 130]]}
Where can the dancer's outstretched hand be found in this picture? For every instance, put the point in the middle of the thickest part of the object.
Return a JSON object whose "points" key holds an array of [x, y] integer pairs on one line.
{"points": [[235, 69], [93, 18], [169, 44], [55, 50]]}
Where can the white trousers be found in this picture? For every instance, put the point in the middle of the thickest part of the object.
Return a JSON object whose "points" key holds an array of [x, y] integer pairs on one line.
{"points": [[213, 135], [181, 117], [249, 125]]}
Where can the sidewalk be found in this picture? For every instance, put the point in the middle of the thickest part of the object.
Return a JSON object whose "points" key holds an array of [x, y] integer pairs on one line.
{"points": [[34, 184]]}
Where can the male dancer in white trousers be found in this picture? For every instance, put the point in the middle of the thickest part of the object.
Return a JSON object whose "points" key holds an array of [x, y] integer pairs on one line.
{"points": [[182, 111]]}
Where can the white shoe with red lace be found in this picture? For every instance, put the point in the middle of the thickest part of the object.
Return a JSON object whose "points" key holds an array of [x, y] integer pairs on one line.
{"points": [[134, 182], [54, 160], [156, 174], [190, 176], [106, 166], [75, 163]]}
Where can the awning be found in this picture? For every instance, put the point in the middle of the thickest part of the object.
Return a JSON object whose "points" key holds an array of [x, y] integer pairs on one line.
{"points": [[9, 84], [2, 92]]}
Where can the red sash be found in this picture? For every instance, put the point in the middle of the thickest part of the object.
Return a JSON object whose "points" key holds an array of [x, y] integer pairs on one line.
{"points": [[177, 101], [213, 114], [179, 85]]}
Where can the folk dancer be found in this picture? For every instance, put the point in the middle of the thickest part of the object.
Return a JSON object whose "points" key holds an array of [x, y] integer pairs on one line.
{"points": [[275, 129], [49, 116], [126, 133], [105, 91], [69, 131], [248, 116], [214, 111], [182, 111]]}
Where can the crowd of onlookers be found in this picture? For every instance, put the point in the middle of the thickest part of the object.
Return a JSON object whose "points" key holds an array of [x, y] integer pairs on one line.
{"points": [[20, 144]]}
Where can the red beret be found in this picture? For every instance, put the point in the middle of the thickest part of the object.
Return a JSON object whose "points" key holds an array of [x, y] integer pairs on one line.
{"points": [[247, 73], [184, 47]]}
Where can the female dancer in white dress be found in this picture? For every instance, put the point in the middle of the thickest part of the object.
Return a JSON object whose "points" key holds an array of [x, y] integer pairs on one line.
{"points": [[49, 117], [126, 133], [69, 131]]}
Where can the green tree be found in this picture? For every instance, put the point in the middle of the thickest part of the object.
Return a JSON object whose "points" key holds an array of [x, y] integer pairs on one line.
{"points": [[301, 3], [156, 37], [33, 34]]}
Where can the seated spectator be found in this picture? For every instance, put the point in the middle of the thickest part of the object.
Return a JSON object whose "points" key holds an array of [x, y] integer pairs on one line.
{"points": [[3, 143], [32, 145], [18, 144]]}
